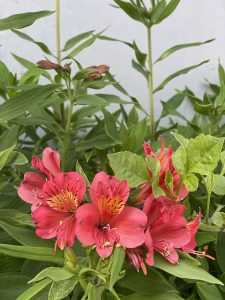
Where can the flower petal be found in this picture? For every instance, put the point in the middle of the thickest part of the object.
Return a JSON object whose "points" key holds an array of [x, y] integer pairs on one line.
{"points": [[51, 161], [130, 227], [31, 187], [88, 220]]}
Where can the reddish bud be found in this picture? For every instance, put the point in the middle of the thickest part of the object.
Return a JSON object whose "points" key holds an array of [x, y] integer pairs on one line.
{"points": [[102, 69], [95, 75], [48, 65]]}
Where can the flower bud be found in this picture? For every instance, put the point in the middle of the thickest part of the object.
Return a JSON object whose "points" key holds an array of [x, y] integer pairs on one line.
{"points": [[102, 69], [95, 75], [69, 255], [48, 65]]}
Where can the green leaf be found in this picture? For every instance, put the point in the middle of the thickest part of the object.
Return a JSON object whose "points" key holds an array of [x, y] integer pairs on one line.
{"points": [[87, 99], [26, 37], [25, 236], [158, 296], [169, 9], [150, 284], [141, 57], [53, 273], [220, 250], [154, 167], [129, 9], [60, 289], [191, 182], [22, 20], [23, 101], [4, 156], [83, 73], [179, 160], [218, 219], [219, 184], [157, 11], [140, 69], [15, 217], [117, 260], [181, 139], [110, 125], [220, 99], [35, 289], [178, 73], [208, 291], [184, 270], [203, 154], [129, 166], [179, 47], [12, 285], [76, 39], [33, 253], [16, 158], [81, 47], [112, 99], [204, 238], [9, 137]]}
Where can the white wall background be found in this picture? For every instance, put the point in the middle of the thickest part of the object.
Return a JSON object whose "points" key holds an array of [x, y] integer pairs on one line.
{"points": [[194, 20]]}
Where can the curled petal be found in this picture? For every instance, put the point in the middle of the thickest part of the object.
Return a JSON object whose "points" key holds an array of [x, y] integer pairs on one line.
{"points": [[51, 161], [30, 188]]}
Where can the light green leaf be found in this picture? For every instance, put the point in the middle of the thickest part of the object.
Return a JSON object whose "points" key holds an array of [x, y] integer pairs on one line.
{"points": [[129, 9], [81, 47], [223, 162], [203, 154], [178, 73], [179, 160], [219, 184], [181, 139], [179, 47], [35, 289], [185, 270], [191, 182], [129, 166], [117, 261], [4, 156], [158, 296], [60, 289], [22, 20], [157, 11], [23, 101], [15, 217], [76, 39], [218, 219], [54, 273], [16, 158], [33, 253], [208, 291], [169, 9]]}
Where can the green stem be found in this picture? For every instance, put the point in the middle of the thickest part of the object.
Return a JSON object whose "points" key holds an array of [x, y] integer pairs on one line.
{"points": [[68, 123], [208, 201], [58, 52], [150, 85]]}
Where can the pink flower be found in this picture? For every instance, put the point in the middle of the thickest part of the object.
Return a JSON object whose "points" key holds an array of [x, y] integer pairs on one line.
{"points": [[166, 229], [192, 228], [32, 184], [135, 256], [56, 217], [107, 220], [165, 159]]}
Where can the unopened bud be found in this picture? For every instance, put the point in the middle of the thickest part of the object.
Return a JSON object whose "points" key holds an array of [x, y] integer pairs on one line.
{"points": [[102, 69], [48, 65], [70, 256]]}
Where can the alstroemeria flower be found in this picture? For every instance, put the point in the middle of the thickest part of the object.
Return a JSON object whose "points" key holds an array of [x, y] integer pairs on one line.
{"points": [[166, 229], [107, 220], [165, 159], [31, 187], [56, 217], [135, 256], [192, 228]]}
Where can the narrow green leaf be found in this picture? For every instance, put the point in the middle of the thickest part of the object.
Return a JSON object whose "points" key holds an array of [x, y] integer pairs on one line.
{"points": [[22, 20], [35, 289], [4, 156], [117, 260], [140, 69], [88, 99], [23, 101], [81, 47], [26, 236], [60, 289], [129, 166], [185, 270], [129, 9], [33, 253], [26, 37], [178, 73], [76, 39], [169, 9], [110, 125], [12, 285], [158, 296], [179, 47]]}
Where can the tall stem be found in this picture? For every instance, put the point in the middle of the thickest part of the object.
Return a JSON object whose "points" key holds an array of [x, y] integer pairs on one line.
{"points": [[207, 208], [58, 52], [150, 85], [68, 123]]}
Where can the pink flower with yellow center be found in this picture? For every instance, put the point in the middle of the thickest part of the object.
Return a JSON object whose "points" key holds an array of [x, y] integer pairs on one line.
{"points": [[56, 217], [30, 189], [107, 220]]}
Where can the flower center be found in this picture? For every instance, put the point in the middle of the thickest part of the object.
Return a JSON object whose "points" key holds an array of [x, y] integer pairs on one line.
{"points": [[64, 201], [109, 208]]}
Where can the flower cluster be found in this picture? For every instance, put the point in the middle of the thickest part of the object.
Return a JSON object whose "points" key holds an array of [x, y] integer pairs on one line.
{"points": [[158, 224]]}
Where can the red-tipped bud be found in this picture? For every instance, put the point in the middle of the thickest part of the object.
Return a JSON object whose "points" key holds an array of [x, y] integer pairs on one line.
{"points": [[102, 69], [48, 65], [95, 76]]}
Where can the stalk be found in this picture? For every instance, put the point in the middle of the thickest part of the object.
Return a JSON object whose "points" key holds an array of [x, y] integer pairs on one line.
{"points": [[58, 52], [150, 85], [207, 208]]}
